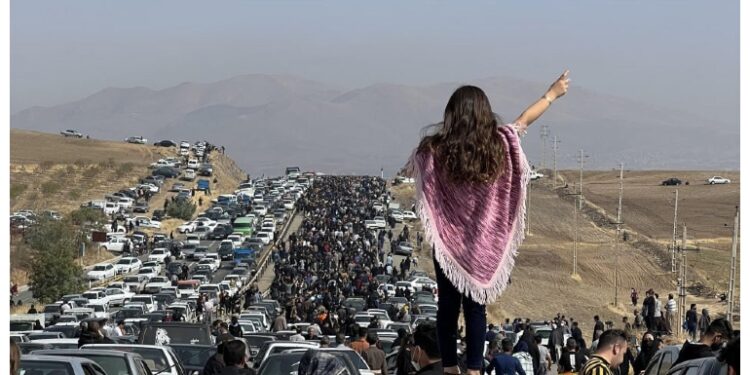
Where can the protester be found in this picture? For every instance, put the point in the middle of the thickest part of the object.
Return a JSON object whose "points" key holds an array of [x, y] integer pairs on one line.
{"points": [[374, 356], [717, 333], [609, 354], [461, 167], [505, 363], [571, 360], [425, 353]]}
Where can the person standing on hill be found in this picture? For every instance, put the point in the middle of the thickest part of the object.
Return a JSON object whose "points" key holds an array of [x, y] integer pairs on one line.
{"points": [[634, 296], [649, 305], [473, 166], [691, 319], [671, 313]]}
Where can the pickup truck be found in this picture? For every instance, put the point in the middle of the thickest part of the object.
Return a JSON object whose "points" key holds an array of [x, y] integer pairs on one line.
{"points": [[144, 222], [116, 244], [156, 284], [135, 283], [71, 133]]}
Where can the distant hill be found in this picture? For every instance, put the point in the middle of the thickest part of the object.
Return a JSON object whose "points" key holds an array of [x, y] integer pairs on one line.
{"points": [[270, 121]]}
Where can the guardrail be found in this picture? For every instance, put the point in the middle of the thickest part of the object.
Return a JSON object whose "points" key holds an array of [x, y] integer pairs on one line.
{"points": [[262, 265]]}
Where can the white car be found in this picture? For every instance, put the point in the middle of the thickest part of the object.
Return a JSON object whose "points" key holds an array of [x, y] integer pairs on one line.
{"points": [[184, 144], [159, 255], [236, 240], [156, 284], [535, 175], [193, 164], [204, 221], [187, 227], [148, 272], [149, 187], [409, 215], [127, 265], [209, 262], [117, 296], [718, 180], [153, 264], [236, 279], [216, 258], [397, 215], [264, 237], [188, 175], [137, 140], [418, 282], [101, 272], [193, 240], [135, 283], [144, 222], [145, 299], [116, 243]]}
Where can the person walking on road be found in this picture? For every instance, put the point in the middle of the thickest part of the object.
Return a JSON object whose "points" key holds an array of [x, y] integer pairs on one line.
{"points": [[472, 164]]}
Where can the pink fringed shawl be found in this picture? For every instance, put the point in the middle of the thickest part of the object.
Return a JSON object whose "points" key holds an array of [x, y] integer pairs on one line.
{"points": [[476, 228]]}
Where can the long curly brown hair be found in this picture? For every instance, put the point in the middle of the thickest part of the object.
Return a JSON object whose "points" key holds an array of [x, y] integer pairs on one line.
{"points": [[465, 145]]}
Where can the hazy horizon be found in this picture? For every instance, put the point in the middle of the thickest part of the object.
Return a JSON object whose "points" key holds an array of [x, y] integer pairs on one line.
{"points": [[675, 55]]}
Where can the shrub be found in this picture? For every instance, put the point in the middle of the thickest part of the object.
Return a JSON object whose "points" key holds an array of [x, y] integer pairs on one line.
{"points": [[92, 171], [74, 195], [50, 187], [181, 208], [16, 190], [123, 169], [54, 270], [85, 215]]}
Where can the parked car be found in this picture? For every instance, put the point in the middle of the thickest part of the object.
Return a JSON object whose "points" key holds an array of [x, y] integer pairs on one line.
{"points": [[71, 133], [188, 175], [718, 180], [671, 182], [168, 172], [137, 140], [48, 364], [165, 143]]}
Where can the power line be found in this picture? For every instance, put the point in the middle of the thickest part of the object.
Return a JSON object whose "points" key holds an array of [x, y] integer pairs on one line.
{"points": [[544, 133], [555, 142]]}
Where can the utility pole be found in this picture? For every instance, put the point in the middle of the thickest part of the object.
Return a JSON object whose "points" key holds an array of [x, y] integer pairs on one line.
{"points": [[555, 141], [575, 242], [617, 238], [528, 209], [674, 232], [544, 133], [581, 158], [681, 281], [733, 269]]}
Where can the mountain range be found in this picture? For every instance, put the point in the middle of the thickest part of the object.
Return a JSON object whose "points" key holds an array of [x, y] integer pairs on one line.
{"points": [[268, 122]]}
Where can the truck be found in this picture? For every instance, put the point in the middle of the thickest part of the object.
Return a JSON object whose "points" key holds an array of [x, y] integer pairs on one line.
{"points": [[242, 254], [25, 323], [202, 184]]}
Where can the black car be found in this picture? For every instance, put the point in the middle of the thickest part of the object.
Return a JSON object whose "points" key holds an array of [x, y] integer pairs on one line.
{"points": [[165, 143], [141, 207], [220, 232], [167, 172], [193, 357], [158, 215], [671, 182]]}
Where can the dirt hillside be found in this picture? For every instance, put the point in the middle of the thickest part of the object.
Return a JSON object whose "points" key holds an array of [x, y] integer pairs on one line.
{"points": [[51, 172], [542, 284]]}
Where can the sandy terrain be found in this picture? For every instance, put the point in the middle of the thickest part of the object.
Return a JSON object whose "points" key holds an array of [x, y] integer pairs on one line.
{"points": [[542, 284], [52, 172]]}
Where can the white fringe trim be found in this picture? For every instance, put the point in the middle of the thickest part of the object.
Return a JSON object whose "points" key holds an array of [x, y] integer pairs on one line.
{"points": [[483, 293]]}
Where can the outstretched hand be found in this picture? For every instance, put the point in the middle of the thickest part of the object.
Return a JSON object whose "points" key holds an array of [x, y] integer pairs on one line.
{"points": [[559, 87]]}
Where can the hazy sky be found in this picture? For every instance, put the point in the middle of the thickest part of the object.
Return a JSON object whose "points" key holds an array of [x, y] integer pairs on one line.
{"points": [[681, 54]]}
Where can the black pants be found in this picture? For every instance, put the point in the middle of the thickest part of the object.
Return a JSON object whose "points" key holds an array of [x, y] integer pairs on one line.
{"points": [[449, 306]]}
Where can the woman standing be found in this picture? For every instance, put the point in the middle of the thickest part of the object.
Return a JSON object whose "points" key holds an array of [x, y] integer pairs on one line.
{"points": [[471, 177]]}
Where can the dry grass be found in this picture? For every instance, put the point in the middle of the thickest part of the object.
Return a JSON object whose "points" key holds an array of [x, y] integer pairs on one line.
{"points": [[542, 282], [50, 172]]}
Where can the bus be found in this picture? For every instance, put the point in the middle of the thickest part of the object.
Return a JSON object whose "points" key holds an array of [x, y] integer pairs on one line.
{"points": [[243, 225]]}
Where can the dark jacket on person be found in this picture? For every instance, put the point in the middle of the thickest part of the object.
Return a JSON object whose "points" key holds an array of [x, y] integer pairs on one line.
{"points": [[214, 365], [234, 370], [506, 364], [566, 365], [693, 351], [92, 338], [431, 369]]}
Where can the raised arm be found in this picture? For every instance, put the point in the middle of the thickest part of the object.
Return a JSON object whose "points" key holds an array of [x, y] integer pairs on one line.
{"points": [[535, 110]]}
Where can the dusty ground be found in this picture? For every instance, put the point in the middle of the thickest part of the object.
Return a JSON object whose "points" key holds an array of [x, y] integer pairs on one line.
{"points": [[51, 172], [542, 284]]}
